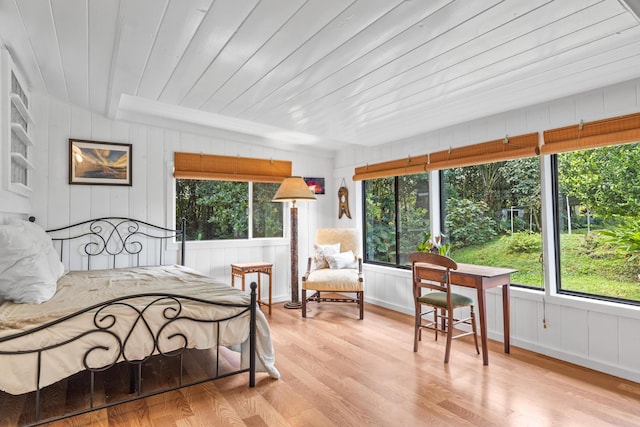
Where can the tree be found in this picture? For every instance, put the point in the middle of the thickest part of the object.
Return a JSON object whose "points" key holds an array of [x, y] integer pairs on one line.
{"points": [[229, 203], [605, 179], [523, 180], [380, 220], [493, 187], [468, 222]]}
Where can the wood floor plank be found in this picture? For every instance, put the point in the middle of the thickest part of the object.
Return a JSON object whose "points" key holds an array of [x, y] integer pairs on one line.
{"points": [[337, 370]]}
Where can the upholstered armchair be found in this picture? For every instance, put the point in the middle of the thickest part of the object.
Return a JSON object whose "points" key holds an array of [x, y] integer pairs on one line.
{"points": [[335, 269]]}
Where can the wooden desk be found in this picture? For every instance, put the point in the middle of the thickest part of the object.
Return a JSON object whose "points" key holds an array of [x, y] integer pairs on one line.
{"points": [[239, 270], [481, 278]]}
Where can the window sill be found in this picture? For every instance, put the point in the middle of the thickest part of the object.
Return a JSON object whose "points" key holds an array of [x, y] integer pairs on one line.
{"points": [[241, 243]]}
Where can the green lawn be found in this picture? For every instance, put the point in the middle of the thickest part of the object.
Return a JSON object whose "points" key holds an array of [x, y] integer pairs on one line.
{"points": [[588, 265]]}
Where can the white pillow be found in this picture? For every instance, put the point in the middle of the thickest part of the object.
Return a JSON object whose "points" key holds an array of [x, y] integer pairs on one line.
{"points": [[320, 258], [342, 260], [29, 264]]}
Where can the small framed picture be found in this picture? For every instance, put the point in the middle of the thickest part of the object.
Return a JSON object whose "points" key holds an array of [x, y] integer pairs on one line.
{"points": [[316, 185], [99, 163]]}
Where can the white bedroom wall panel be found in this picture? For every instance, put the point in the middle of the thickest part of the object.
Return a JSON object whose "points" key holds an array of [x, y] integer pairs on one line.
{"points": [[155, 177], [590, 106], [524, 325], [138, 203], [551, 336], [40, 113], [58, 196], [575, 331], [629, 342], [495, 315], [603, 344], [81, 125]]}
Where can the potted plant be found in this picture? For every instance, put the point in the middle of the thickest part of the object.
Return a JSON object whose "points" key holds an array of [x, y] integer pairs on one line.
{"points": [[433, 245]]}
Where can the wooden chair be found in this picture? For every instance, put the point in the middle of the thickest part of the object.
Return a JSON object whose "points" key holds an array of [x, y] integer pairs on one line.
{"points": [[441, 301], [335, 272]]}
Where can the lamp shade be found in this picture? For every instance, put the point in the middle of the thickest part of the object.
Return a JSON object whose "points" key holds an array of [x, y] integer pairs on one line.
{"points": [[293, 189]]}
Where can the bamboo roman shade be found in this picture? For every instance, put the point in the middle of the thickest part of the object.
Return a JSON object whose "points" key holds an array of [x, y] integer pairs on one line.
{"points": [[229, 168], [508, 148], [615, 130], [407, 166]]}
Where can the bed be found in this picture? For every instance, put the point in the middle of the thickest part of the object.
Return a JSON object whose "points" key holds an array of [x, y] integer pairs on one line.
{"points": [[94, 297]]}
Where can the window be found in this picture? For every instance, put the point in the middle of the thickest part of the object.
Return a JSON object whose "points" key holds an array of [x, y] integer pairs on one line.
{"points": [[598, 222], [492, 216], [396, 213], [223, 210]]}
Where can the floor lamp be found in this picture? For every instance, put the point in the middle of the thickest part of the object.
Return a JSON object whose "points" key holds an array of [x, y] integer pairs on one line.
{"points": [[293, 189]]}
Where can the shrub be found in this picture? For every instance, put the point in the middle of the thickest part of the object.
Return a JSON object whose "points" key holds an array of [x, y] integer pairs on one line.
{"points": [[626, 237], [468, 222], [523, 242], [519, 224]]}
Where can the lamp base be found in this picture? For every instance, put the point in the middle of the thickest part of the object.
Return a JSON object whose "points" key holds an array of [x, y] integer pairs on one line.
{"points": [[292, 305]]}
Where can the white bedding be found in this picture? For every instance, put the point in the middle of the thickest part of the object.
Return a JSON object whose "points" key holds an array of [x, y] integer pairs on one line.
{"points": [[82, 289]]}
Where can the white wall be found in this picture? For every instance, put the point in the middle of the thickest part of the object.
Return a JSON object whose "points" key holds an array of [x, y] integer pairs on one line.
{"points": [[56, 203], [595, 334]]}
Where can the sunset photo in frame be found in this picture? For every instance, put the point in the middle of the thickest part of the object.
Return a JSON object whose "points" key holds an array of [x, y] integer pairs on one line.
{"points": [[99, 163]]}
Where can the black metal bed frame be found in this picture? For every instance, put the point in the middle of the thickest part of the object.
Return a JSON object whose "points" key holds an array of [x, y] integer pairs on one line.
{"points": [[113, 236]]}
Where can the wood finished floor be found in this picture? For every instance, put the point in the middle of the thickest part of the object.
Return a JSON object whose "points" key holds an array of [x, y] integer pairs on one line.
{"points": [[339, 371]]}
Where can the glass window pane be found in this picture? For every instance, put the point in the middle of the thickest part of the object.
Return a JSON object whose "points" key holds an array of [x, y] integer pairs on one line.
{"points": [[267, 215], [598, 220], [493, 217], [380, 220], [396, 215], [215, 210], [413, 207]]}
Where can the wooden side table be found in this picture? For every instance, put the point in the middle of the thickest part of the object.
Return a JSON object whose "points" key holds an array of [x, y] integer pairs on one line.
{"points": [[240, 270]]}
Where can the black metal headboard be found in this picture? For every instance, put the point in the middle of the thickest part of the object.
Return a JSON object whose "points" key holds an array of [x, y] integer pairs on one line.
{"points": [[118, 241]]}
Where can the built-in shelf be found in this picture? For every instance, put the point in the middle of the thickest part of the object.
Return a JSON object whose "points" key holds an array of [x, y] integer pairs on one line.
{"points": [[16, 128], [24, 112], [21, 160], [20, 188], [22, 134]]}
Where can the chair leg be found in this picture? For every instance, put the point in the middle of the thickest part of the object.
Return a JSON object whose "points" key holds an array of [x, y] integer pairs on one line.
{"points": [[449, 335], [442, 320], [416, 333], [304, 302], [361, 303], [475, 331]]}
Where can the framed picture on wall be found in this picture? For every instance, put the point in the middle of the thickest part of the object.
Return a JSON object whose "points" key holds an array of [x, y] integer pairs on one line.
{"points": [[99, 163], [316, 185]]}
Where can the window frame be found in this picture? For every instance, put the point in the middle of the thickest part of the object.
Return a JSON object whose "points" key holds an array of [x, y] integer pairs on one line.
{"points": [[397, 216], [557, 259], [442, 207], [250, 237]]}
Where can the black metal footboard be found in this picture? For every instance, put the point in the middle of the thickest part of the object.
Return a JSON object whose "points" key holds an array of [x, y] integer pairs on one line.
{"points": [[118, 322]]}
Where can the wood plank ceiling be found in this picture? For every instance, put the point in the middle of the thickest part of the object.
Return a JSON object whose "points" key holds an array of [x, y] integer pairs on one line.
{"points": [[329, 72]]}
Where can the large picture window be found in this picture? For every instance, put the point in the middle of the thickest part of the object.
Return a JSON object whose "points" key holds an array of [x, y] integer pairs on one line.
{"points": [[223, 210], [396, 214], [493, 216], [598, 222]]}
